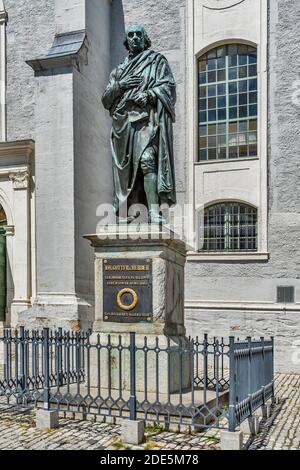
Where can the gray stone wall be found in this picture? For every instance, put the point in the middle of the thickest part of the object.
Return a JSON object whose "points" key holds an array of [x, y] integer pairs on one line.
{"points": [[30, 33]]}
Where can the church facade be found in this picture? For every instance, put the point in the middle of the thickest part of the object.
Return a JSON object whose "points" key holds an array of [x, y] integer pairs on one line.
{"points": [[236, 146]]}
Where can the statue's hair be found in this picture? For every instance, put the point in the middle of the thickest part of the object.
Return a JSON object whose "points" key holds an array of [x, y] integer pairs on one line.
{"points": [[148, 42]]}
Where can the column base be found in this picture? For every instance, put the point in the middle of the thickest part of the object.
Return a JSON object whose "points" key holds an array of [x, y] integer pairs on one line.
{"points": [[58, 311]]}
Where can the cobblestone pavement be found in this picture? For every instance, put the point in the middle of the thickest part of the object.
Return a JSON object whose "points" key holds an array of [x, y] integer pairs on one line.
{"points": [[281, 431]]}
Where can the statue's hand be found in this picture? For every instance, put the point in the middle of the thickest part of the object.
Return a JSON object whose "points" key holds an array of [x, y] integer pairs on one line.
{"points": [[132, 82], [141, 99]]}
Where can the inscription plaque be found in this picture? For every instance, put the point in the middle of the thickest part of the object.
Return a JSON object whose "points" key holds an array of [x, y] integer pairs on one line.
{"points": [[127, 291]]}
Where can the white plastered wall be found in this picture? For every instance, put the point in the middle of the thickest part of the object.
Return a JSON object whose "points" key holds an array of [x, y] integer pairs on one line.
{"points": [[211, 23], [16, 198]]}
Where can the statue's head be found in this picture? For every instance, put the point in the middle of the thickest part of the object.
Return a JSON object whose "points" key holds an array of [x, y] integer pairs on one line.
{"points": [[137, 39]]}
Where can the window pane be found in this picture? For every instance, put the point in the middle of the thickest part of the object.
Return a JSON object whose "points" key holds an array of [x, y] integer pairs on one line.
{"points": [[222, 140], [203, 130], [232, 113], [232, 61], [212, 103], [222, 153], [203, 92], [253, 150], [221, 62], [243, 72], [243, 99], [233, 100], [212, 77], [212, 153], [203, 142], [233, 73], [202, 66], [222, 89], [233, 127], [203, 116], [212, 90], [253, 110], [232, 88], [203, 78], [203, 154], [243, 151], [212, 141], [212, 116], [203, 104], [233, 152], [212, 129], [221, 128], [222, 102], [212, 64], [221, 76]]}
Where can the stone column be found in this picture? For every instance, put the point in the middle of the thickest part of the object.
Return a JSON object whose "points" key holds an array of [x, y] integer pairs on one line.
{"points": [[22, 244]]}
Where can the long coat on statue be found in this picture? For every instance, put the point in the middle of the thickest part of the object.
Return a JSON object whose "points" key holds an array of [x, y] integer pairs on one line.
{"points": [[134, 129]]}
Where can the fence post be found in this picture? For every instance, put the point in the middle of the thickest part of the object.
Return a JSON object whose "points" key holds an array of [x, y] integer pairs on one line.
{"points": [[205, 365], [273, 368], [59, 357], [132, 401], [232, 385], [249, 372], [46, 369], [263, 385], [22, 359]]}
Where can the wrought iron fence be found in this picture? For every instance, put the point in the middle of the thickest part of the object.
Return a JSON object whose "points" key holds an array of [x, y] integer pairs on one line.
{"points": [[193, 382]]}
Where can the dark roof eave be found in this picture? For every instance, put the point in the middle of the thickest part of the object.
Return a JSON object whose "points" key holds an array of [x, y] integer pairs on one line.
{"points": [[47, 63]]}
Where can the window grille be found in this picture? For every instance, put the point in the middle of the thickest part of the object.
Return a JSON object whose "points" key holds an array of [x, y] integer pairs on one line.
{"points": [[230, 227], [285, 295]]}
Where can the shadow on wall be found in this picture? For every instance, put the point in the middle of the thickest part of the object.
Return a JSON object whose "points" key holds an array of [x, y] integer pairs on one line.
{"points": [[118, 51]]}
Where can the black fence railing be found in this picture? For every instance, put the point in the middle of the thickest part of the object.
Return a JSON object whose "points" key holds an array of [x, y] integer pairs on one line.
{"points": [[193, 382]]}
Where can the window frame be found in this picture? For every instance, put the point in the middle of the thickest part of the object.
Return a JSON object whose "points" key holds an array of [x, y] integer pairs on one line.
{"points": [[227, 121]]}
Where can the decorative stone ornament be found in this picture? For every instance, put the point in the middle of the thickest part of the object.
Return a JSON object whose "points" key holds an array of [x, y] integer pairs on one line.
{"points": [[20, 180]]}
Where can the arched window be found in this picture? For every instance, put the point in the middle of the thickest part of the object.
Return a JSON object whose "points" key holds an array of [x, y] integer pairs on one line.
{"points": [[228, 103], [230, 226]]}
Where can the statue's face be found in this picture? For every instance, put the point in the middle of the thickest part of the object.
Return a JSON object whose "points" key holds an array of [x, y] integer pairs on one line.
{"points": [[136, 38]]}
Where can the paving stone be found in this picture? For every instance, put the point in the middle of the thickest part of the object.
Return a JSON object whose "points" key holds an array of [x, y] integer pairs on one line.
{"points": [[280, 431]]}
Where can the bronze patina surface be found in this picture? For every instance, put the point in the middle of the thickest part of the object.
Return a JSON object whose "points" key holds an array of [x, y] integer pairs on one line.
{"points": [[141, 97]]}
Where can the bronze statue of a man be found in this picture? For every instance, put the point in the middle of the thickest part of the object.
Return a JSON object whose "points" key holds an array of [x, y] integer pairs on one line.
{"points": [[141, 97]]}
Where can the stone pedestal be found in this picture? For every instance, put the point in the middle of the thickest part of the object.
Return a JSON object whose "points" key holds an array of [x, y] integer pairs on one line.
{"points": [[137, 247]]}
